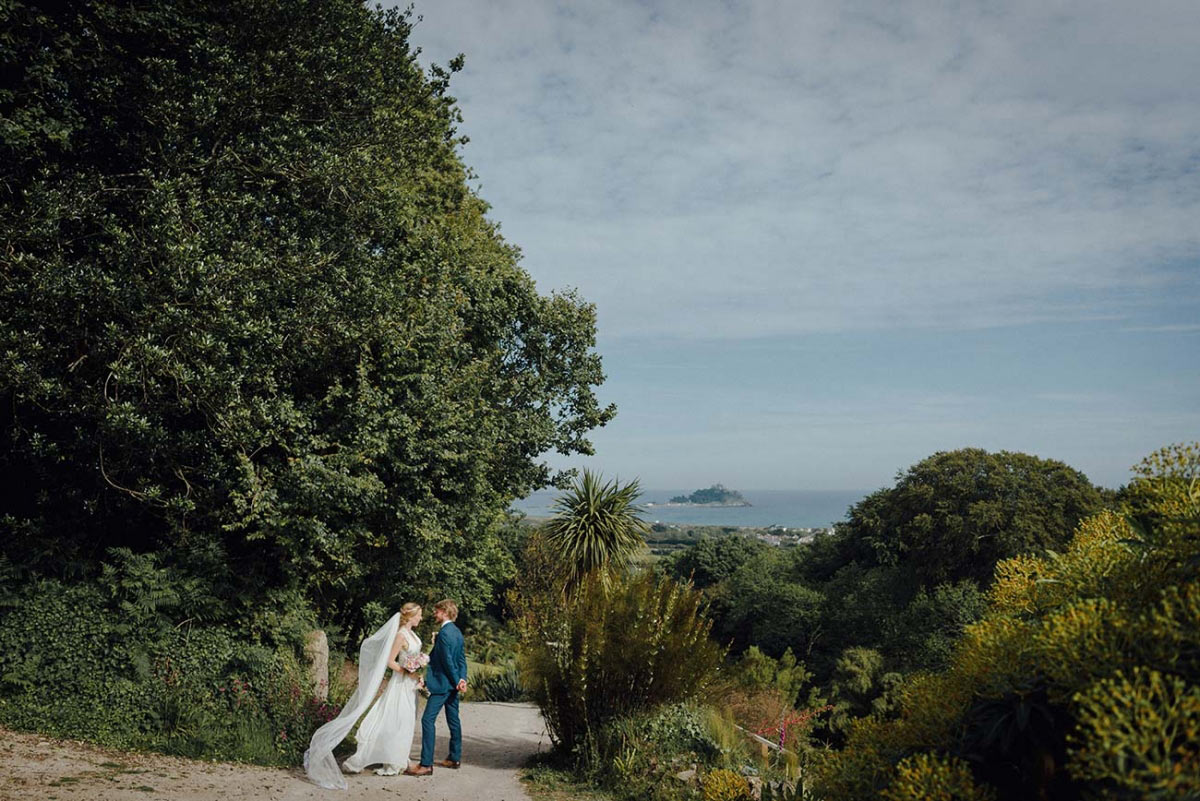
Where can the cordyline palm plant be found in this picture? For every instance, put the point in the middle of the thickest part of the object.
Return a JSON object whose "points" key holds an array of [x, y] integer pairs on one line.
{"points": [[596, 529]]}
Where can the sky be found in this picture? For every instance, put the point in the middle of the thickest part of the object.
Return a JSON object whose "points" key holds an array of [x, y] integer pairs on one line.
{"points": [[826, 239]]}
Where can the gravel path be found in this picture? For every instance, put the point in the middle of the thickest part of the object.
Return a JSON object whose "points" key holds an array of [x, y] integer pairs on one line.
{"points": [[497, 740]]}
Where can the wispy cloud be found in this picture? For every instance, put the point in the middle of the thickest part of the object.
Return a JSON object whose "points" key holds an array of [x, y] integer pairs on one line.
{"points": [[826, 239], [706, 168], [1181, 328]]}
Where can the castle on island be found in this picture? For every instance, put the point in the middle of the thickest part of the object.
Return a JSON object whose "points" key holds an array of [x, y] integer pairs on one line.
{"points": [[716, 495]]}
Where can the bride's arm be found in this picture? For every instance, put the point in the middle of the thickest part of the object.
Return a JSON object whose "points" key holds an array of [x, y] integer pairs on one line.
{"points": [[396, 646]]}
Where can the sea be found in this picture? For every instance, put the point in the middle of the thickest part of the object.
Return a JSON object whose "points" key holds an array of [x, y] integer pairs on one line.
{"points": [[790, 508]]}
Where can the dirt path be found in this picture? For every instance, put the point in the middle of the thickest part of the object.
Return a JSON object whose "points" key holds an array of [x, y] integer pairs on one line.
{"points": [[497, 739]]}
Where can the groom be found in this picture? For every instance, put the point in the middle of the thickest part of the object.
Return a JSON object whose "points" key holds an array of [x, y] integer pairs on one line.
{"points": [[445, 678]]}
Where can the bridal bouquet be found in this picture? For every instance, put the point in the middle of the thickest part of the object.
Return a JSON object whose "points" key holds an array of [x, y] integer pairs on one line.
{"points": [[415, 662]]}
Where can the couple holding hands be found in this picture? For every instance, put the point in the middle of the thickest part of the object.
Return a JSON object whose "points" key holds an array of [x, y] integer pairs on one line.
{"points": [[386, 733]]}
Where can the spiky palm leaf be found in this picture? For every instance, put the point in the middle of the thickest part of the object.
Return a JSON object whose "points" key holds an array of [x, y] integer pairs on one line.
{"points": [[596, 528]]}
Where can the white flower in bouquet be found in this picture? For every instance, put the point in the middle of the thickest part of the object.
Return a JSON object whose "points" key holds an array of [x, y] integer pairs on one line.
{"points": [[415, 662]]}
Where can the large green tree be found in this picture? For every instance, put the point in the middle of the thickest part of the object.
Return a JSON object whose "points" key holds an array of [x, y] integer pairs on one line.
{"points": [[252, 314], [904, 574], [714, 559], [955, 514], [1082, 680]]}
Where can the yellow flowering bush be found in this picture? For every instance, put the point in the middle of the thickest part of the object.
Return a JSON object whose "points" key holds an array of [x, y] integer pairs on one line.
{"points": [[1082, 680], [725, 785], [924, 777], [1140, 732]]}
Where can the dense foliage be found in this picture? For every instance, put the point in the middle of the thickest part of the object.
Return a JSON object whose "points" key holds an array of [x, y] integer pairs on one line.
{"points": [[101, 661], [715, 559], [1081, 681], [612, 650], [955, 514], [254, 319], [620, 660], [902, 576]]}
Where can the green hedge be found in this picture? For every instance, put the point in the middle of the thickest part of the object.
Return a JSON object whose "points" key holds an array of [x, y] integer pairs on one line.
{"points": [[72, 666]]}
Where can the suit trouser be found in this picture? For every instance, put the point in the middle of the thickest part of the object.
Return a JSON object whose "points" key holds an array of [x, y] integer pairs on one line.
{"points": [[433, 705]]}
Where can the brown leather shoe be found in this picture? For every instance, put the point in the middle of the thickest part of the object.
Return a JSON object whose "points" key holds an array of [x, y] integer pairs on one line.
{"points": [[419, 770], [450, 763]]}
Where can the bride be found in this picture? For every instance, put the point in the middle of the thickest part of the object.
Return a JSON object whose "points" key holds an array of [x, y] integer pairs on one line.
{"points": [[386, 733]]}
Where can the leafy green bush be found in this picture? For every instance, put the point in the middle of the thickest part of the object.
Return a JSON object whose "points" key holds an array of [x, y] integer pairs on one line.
{"points": [[613, 650], [723, 784], [756, 670], [761, 604], [71, 665], [640, 755], [1082, 680], [861, 686], [923, 635], [504, 686], [930, 778], [490, 642], [1140, 733], [714, 559]]}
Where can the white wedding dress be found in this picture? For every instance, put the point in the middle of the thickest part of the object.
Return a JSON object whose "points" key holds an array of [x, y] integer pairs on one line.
{"points": [[386, 733]]}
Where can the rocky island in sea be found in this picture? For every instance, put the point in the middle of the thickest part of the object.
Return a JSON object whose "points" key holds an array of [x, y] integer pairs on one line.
{"points": [[716, 495]]}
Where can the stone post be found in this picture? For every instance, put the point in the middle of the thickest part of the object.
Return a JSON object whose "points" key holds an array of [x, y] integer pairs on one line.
{"points": [[316, 655]]}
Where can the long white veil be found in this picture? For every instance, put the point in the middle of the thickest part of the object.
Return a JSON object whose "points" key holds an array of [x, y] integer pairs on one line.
{"points": [[319, 763]]}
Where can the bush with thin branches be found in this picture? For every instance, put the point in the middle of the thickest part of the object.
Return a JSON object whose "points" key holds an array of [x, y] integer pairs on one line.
{"points": [[614, 649]]}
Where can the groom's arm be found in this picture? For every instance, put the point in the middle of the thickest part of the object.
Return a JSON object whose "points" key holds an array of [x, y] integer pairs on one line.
{"points": [[460, 661]]}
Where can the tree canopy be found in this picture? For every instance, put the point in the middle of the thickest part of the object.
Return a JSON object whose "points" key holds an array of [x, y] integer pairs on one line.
{"points": [[955, 514], [714, 559], [253, 313], [902, 577], [1081, 680]]}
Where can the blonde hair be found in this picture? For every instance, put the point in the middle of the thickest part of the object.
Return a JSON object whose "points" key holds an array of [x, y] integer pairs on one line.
{"points": [[409, 611], [449, 607]]}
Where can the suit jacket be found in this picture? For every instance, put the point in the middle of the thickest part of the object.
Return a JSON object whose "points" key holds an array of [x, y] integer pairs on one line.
{"points": [[447, 661]]}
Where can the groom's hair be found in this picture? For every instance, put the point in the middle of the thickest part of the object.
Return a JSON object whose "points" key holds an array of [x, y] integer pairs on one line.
{"points": [[449, 607]]}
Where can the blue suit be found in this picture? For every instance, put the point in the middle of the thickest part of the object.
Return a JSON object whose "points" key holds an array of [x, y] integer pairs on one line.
{"points": [[447, 666]]}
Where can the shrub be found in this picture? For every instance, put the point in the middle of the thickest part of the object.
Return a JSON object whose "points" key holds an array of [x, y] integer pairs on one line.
{"points": [[725, 785], [924, 634], [928, 778], [615, 650], [73, 666], [504, 686], [640, 755], [1140, 733], [755, 670], [1082, 680]]}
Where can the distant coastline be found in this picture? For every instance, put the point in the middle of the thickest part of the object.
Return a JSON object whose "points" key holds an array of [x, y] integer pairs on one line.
{"points": [[791, 508]]}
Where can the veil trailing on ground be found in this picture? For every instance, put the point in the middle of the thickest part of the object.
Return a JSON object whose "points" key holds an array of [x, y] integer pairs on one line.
{"points": [[319, 763]]}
